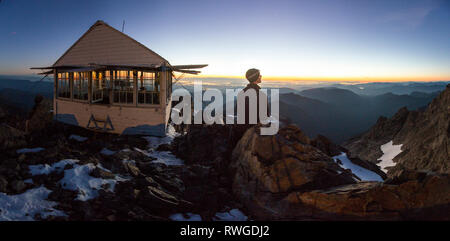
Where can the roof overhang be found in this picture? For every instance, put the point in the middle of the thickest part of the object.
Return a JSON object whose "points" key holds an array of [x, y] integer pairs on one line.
{"points": [[95, 67]]}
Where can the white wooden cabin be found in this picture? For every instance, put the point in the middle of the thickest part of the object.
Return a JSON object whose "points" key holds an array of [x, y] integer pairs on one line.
{"points": [[107, 81]]}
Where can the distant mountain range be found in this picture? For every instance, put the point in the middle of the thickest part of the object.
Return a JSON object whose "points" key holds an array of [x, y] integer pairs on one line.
{"points": [[399, 88], [340, 114], [20, 93]]}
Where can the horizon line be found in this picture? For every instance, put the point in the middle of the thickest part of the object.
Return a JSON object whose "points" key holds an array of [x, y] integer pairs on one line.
{"points": [[330, 79]]}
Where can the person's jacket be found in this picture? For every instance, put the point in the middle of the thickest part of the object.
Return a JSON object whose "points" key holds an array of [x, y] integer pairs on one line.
{"points": [[258, 96]]}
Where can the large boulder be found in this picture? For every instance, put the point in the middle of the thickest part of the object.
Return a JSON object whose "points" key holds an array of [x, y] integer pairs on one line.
{"points": [[268, 169]]}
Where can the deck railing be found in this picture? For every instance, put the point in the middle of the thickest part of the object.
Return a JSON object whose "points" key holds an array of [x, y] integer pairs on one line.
{"points": [[97, 95], [148, 97], [123, 96]]}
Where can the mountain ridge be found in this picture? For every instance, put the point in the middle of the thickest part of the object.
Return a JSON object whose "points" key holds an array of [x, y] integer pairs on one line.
{"points": [[424, 136]]}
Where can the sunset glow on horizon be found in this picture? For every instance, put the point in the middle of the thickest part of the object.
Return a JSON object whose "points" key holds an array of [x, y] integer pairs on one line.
{"points": [[330, 79]]}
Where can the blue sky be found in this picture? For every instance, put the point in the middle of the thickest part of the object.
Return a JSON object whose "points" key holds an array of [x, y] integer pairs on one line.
{"points": [[320, 40]]}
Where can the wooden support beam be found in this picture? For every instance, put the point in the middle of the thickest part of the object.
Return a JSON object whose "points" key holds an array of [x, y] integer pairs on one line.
{"points": [[135, 87], [90, 87]]}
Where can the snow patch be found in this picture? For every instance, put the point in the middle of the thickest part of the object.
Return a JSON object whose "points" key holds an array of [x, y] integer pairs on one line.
{"points": [[232, 215], [167, 158], [154, 141], [361, 172], [78, 178], [389, 152], [78, 138], [105, 151], [28, 150], [185, 217], [45, 169], [23, 207]]}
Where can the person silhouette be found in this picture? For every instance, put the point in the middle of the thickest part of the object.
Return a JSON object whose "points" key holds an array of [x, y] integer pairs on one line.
{"points": [[254, 78]]}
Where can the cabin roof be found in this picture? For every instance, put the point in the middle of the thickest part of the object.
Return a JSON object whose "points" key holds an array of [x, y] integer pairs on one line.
{"points": [[105, 45]]}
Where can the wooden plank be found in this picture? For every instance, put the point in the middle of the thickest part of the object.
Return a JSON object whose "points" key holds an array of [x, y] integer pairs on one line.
{"points": [[188, 66], [188, 71]]}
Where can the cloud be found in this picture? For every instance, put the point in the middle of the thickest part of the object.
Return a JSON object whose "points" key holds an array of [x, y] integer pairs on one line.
{"points": [[410, 18]]}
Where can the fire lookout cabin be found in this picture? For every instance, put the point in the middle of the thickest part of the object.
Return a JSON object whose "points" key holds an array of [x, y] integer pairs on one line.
{"points": [[109, 82]]}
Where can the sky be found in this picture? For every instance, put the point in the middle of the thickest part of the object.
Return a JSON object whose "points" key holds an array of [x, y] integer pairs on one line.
{"points": [[287, 40]]}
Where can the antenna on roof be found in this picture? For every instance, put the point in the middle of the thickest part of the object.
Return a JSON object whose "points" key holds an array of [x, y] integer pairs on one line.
{"points": [[123, 24]]}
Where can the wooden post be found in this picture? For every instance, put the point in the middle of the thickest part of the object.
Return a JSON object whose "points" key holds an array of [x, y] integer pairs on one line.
{"points": [[90, 87], [111, 86], [135, 86], [71, 80], [163, 87]]}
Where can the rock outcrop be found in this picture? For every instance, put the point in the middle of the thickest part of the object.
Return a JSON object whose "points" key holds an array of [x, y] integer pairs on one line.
{"points": [[367, 145], [414, 199], [284, 177], [267, 169], [40, 116], [424, 137]]}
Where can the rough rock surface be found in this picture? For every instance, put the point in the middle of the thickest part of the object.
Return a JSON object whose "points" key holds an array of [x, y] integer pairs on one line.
{"points": [[424, 135], [269, 168], [283, 177], [415, 199], [367, 145], [152, 191], [41, 115], [11, 137], [207, 144]]}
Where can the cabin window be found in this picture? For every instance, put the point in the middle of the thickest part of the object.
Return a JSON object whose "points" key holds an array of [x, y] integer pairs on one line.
{"points": [[148, 88], [97, 86], [63, 85], [108, 79], [123, 88], [80, 85]]}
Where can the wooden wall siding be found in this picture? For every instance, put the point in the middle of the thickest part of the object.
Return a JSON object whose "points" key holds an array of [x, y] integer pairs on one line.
{"points": [[165, 103], [103, 44], [122, 118]]}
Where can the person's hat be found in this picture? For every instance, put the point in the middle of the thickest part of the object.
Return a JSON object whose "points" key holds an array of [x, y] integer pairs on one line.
{"points": [[252, 75]]}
